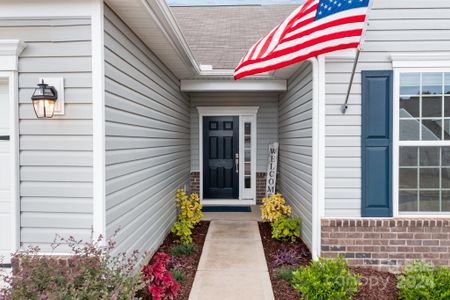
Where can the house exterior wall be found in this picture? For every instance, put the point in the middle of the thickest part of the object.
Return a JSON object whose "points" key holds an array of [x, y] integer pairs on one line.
{"points": [[55, 155], [395, 27], [266, 119], [147, 140], [295, 158]]}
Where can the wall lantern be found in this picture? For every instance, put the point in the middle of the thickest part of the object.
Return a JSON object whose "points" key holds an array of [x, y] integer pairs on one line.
{"points": [[44, 99]]}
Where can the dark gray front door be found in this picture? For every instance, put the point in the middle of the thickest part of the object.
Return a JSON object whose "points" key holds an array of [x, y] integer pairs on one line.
{"points": [[220, 155]]}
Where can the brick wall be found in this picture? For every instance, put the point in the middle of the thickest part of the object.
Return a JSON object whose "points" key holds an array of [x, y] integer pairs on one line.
{"points": [[387, 244], [260, 186], [194, 182]]}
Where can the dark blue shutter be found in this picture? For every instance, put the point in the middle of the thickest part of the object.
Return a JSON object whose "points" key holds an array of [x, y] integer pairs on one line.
{"points": [[376, 144]]}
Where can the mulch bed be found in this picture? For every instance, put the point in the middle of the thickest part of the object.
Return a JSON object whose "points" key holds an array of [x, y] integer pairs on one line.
{"points": [[187, 263], [376, 285]]}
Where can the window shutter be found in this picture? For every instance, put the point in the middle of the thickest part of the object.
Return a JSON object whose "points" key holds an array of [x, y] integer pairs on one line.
{"points": [[376, 143]]}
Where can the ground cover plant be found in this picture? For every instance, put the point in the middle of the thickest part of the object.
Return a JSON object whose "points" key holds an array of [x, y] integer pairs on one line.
{"points": [[422, 281]]}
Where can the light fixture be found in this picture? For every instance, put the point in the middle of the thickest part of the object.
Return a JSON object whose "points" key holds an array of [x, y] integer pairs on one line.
{"points": [[44, 99]]}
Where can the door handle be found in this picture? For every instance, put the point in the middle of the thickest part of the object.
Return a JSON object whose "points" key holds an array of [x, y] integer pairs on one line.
{"points": [[236, 162], [4, 137]]}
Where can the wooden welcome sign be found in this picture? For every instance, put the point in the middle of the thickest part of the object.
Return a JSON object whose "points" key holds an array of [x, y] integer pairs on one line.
{"points": [[271, 180]]}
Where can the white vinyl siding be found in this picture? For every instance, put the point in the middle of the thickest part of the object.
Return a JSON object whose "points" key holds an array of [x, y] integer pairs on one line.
{"points": [[147, 140], [56, 154], [295, 159], [266, 119], [395, 27]]}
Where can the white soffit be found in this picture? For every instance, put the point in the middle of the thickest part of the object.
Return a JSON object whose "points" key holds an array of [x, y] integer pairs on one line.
{"points": [[209, 85], [154, 23]]}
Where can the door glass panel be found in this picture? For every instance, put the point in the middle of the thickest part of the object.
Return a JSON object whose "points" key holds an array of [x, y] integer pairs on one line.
{"points": [[248, 155]]}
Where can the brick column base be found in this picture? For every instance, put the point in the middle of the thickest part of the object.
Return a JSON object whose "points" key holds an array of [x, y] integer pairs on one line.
{"points": [[194, 182], [387, 244]]}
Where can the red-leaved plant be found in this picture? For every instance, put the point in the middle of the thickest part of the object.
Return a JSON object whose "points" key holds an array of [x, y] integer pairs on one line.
{"points": [[158, 280]]}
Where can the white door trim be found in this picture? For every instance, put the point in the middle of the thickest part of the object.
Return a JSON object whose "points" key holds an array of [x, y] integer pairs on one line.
{"points": [[249, 113]]}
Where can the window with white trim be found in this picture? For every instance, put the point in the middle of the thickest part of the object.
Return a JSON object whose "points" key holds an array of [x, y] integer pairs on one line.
{"points": [[424, 142]]}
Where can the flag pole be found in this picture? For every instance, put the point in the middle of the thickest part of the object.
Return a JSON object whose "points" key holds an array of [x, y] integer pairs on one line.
{"points": [[349, 89], [355, 62]]}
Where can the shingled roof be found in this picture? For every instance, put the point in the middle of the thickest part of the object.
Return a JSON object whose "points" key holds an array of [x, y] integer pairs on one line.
{"points": [[221, 35]]}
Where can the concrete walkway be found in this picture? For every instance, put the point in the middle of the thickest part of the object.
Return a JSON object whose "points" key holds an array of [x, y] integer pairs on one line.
{"points": [[232, 265]]}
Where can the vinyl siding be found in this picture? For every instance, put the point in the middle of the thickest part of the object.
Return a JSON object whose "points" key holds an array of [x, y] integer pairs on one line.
{"points": [[147, 140], [395, 26], [295, 158], [266, 119], [56, 154]]}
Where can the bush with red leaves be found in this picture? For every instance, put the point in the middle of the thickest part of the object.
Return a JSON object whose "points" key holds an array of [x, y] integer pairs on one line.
{"points": [[158, 280]]}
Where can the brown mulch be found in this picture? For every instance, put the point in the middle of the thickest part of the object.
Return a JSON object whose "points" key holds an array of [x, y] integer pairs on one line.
{"points": [[187, 263], [282, 290], [376, 285]]}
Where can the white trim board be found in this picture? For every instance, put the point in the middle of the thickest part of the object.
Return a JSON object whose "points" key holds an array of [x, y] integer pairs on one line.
{"points": [[233, 85], [245, 114]]}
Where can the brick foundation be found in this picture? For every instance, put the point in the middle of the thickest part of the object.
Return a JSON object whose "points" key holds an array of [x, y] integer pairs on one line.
{"points": [[387, 244], [194, 184]]}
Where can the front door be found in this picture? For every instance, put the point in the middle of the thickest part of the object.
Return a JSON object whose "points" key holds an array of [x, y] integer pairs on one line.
{"points": [[221, 157], [5, 157]]}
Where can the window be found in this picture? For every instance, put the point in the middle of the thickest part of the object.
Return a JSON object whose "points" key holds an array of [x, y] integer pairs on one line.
{"points": [[424, 142]]}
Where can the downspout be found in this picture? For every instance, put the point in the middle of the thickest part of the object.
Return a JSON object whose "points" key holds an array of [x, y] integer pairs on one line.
{"points": [[318, 151]]}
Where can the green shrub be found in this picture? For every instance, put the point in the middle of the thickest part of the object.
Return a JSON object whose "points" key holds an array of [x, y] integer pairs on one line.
{"points": [[183, 229], [286, 229], [284, 273], [421, 281], [178, 275], [326, 279], [182, 249]]}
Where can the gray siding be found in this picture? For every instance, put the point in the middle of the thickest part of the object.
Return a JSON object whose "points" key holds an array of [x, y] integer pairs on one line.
{"points": [[295, 161], [147, 140], [395, 26], [55, 155], [267, 121]]}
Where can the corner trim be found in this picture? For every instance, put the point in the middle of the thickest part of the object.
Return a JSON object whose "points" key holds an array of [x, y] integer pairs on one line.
{"points": [[9, 54]]}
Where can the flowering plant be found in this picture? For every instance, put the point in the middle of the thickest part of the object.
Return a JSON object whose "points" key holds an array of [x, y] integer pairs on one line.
{"points": [[158, 280]]}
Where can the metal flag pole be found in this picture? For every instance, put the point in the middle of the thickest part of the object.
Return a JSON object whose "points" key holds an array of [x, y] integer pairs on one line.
{"points": [[349, 89], [355, 62]]}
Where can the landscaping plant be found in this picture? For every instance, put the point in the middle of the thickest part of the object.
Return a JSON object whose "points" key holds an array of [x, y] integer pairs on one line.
{"points": [[182, 249], [158, 280], [285, 273], [91, 272], [189, 214], [274, 207], [422, 281], [326, 279], [183, 229], [286, 229], [285, 256]]}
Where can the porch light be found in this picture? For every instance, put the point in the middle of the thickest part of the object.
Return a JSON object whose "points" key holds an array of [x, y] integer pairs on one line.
{"points": [[44, 99]]}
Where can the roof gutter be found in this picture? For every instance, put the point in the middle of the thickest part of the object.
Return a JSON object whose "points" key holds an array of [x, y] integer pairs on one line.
{"points": [[161, 13]]}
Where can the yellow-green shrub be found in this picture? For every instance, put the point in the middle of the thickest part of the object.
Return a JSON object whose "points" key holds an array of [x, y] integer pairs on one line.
{"points": [[183, 229], [189, 207], [274, 207]]}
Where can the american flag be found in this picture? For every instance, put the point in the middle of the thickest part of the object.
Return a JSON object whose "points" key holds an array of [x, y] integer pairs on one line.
{"points": [[317, 27]]}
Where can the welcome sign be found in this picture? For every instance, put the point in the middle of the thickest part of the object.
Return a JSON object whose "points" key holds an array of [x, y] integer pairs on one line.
{"points": [[271, 180]]}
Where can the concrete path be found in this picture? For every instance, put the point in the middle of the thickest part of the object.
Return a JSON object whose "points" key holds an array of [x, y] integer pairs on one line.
{"points": [[232, 265]]}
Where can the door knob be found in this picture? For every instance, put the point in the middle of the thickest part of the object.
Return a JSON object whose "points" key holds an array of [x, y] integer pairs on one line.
{"points": [[236, 162]]}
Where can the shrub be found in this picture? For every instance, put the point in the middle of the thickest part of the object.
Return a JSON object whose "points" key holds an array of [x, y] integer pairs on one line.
{"points": [[158, 280], [189, 207], [274, 207], [284, 273], [326, 279], [183, 229], [285, 256], [421, 281], [91, 272], [182, 249], [286, 229]]}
